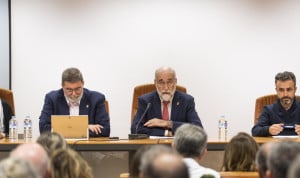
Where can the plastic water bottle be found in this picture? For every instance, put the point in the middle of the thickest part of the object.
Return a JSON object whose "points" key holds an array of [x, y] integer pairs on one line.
{"points": [[222, 125], [27, 128], [13, 128]]}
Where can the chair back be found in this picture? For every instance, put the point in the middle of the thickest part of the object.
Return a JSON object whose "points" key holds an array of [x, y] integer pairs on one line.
{"points": [[263, 101], [143, 89], [8, 96], [106, 106], [239, 174]]}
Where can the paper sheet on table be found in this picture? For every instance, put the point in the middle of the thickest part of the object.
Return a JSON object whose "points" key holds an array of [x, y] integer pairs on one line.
{"points": [[160, 137], [285, 136]]}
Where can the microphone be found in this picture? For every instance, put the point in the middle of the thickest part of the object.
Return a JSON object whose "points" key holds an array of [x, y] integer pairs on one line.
{"points": [[136, 136]]}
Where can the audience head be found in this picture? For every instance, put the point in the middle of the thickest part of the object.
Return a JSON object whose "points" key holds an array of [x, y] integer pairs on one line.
{"points": [[51, 141], [190, 141], [17, 168], [67, 163], [134, 170], [165, 82], [36, 155], [281, 157], [162, 162], [240, 152], [294, 170], [261, 158]]}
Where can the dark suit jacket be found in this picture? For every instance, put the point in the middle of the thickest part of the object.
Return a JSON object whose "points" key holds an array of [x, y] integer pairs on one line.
{"points": [[7, 112], [91, 104], [183, 111], [275, 114]]}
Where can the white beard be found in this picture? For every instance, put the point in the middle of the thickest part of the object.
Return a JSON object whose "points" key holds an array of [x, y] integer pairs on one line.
{"points": [[166, 97]]}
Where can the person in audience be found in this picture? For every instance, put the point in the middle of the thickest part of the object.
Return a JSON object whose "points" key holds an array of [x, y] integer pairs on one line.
{"points": [[134, 170], [261, 159], [281, 157], [17, 168], [161, 112], [161, 161], [51, 141], [5, 115], [74, 99], [67, 163], [36, 155], [239, 153], [190, 141], [294, 170], [281, 117]]}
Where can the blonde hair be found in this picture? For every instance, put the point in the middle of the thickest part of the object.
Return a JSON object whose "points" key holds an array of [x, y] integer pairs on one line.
{"points": [[240, 153], [67, 163]]}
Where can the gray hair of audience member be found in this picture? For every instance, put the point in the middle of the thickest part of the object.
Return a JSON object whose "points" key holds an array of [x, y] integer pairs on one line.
{"points": [[284, 76], [51, 141], [17, 168], [281, 157], [36, 155], [161, 161], [71, 75], [261, 158], [294, 170], [190, 140]]}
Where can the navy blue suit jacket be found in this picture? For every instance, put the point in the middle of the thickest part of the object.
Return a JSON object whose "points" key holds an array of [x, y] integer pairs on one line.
{"points": [[91, 104], [183, 111], [275, 114]]}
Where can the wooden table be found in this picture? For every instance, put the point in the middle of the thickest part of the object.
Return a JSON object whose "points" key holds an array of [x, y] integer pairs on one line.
{"points": [[106, 144]]}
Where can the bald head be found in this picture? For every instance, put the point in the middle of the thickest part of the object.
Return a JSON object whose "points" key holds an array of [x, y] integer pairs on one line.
{"points": [[34, 153]]}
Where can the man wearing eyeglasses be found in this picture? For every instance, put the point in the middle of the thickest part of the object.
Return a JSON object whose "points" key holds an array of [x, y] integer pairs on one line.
{"points": [[167, 108], [74, 99], [283, 116]]}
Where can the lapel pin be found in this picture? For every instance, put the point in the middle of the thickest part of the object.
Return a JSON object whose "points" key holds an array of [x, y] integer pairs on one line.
{"points": [[177, 103], [87, 106]]}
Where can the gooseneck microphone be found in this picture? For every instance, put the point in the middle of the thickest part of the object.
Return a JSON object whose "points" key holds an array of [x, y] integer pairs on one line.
{"points": [[136, 135]]}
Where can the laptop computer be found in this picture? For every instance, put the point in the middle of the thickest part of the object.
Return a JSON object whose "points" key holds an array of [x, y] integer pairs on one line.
{"points": [[71, 127]]}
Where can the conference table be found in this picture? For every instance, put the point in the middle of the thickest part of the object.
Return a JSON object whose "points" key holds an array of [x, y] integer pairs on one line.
{"points": [[108, 144]]}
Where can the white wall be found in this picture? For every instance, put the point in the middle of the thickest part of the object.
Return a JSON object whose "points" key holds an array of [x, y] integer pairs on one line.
{"points": [[225, 52], [4, 44]]}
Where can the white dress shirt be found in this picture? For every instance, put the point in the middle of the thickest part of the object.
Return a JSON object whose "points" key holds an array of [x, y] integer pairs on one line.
{"points": [[196, 170]]}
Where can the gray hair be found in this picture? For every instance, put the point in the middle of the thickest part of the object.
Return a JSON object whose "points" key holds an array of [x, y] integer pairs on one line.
{"points": [[17, 168], [281, 157], [284, 76], [71, 75], [190, 140]]}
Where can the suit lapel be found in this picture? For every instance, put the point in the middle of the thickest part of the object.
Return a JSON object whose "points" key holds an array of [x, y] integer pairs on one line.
{"points": [[175, 105], [84, 105], [157, 105]]}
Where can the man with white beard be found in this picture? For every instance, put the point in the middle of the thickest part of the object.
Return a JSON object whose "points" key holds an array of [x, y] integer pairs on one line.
{"points": [[283, 116], [74, 99], [162, 111]]}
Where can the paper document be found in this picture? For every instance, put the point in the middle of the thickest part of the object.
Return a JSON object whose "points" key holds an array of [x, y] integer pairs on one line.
{"points": [[160, 137], [285, 136]]}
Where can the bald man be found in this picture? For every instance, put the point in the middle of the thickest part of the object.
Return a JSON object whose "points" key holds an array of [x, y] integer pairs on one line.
{"points": [[36, 154]]}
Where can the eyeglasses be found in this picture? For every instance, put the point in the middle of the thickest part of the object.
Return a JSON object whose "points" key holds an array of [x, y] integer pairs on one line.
{"points": [[169, 83], [71, 90]]}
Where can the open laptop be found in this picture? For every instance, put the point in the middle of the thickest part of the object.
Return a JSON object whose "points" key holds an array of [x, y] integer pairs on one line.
{"points": [[71, 127]]}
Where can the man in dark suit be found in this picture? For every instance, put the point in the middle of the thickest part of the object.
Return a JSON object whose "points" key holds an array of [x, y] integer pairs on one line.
{"points": [[5, 115], [168, 108], [74, 99]]}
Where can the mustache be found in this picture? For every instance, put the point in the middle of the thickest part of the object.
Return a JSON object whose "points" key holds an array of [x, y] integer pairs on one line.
{"points": [[286, 100]]}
